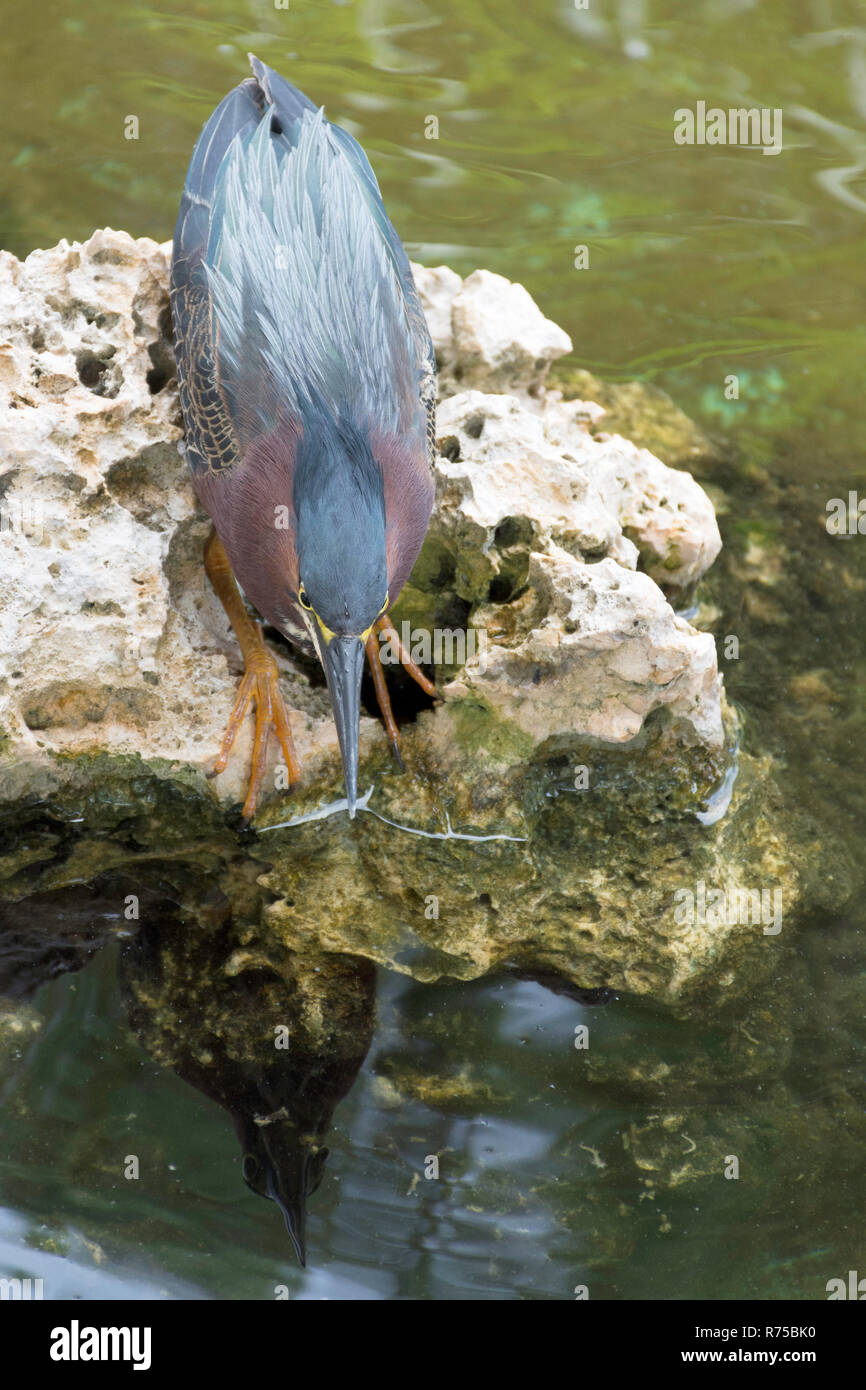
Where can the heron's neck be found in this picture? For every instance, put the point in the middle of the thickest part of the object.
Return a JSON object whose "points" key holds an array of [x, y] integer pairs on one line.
{"points": [[340, 505]]}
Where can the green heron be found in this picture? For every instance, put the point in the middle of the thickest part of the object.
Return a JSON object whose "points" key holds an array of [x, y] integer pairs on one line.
{"points": [[307, 383]]}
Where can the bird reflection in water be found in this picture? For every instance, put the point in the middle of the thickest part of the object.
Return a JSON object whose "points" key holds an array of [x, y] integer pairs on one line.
{"points": [[275, 1037]]}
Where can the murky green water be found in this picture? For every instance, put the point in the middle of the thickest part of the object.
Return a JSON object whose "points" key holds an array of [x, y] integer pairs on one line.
{"points": [[555, 130]]}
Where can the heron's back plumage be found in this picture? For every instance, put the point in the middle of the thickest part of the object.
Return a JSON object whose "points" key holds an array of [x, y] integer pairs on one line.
{"points": [[310, 293], [294, 302]]}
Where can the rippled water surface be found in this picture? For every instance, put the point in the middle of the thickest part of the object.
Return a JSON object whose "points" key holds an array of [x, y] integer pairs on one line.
{"points": [[555, 130]]}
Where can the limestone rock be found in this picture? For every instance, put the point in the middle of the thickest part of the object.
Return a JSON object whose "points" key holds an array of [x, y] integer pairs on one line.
{"points": [[111, 637], [515, 469], [593, 651], [438, 286], [487, 331], [118, 668]]}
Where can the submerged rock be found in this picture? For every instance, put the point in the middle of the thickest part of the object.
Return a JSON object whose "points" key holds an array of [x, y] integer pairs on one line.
{"points": [[550, 813]]}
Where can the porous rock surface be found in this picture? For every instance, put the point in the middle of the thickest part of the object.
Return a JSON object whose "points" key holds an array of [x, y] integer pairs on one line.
{"points": [[109, 636], [565, 549]]}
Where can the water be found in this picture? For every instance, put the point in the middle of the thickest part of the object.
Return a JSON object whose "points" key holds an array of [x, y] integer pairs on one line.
{"points": [[555, 130]]}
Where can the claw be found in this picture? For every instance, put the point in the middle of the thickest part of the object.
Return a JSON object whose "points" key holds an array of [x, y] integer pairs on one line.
{"points": [[385, 625], [260, 685], [380, 685]]}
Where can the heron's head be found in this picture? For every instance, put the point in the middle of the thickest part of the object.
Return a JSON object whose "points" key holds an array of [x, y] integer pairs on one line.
{"points": [[340, 506]]}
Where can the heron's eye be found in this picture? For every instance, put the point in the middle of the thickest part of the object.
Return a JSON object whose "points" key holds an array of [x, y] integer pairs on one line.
{"points": [[303, 600]]}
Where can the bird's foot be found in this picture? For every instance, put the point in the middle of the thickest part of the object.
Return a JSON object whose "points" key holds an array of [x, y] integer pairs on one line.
{"points": [[260, 685], [385, 626]]}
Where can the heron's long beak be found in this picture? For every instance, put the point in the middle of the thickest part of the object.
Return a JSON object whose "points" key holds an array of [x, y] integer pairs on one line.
{"points": [[294, 1211], [343, 660]]}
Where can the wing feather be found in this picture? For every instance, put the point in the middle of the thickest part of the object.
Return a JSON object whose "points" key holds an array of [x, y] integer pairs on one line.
{"points": [[290, 287]]}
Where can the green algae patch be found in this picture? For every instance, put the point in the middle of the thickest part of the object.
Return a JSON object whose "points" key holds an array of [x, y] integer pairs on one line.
{"points": [[506, 869], [104, 814], [480, 731], [486, 855]]}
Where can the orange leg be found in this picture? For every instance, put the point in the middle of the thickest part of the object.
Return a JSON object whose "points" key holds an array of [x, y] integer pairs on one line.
{"points": [[385, 625], [382, 696], [260, 683], [374, 657]]}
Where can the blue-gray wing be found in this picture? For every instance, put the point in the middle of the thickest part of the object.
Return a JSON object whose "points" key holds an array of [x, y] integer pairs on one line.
{"points": [[423, 345], [289, 283], [311, 295], [211, 445]]}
